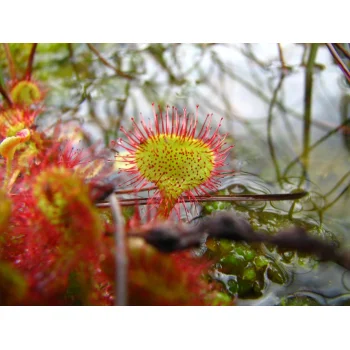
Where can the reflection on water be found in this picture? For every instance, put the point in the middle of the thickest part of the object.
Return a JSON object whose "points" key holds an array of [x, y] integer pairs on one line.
{"points": [[286, 111]]}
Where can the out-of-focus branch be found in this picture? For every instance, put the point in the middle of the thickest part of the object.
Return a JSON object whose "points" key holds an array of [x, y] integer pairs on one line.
{"points": [[317, 143], [337, 185], [10, 61], [309, 73], [339, 61], [262, 94], [157, 52], [5, 95], [269, 125], [28, 74], [341, 48], [169, 238], [222, 198], [344, 190], [284, 66], [71, 58], [106, 63]]}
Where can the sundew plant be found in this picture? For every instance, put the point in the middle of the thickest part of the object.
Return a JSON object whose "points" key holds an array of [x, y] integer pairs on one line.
{"points": [[174, 206], [177, 155]]}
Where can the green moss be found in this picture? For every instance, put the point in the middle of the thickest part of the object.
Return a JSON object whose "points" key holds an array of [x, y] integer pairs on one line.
{"points": [[298, 301], [261, 261], [248, 267], [220, 299], [232, 260], [252, 267], [249, 274], [277, 274]]}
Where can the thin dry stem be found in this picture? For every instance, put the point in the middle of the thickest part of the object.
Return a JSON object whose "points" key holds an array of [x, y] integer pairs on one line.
{"points": [[5, 95], [106, 63], [270, 122], [10, 61], [29, 69], [121, 258], [281, 57], [341, 48], [222, 198], [339, 61]]}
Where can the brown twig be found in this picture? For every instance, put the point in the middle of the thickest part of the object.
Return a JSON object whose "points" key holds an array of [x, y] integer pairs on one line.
{"points": [[10, 61], [157, 51], [5, 95], [28, 73], [132, 190], [171, 238], [262, 95], [222, 198], [72, 60], [341, 48], [309, 74], [339, 61], [270, 122], [282, 60], [106, 63]]}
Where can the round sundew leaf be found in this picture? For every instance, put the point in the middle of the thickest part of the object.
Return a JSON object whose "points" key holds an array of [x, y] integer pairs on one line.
{"points": [[175, 154], [176, 164]]}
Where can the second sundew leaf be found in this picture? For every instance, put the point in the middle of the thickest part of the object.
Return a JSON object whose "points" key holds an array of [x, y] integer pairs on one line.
{"points": [[8, 149], [9, 145], [155, 278], [25, 93], [12, 120], [64, 199]]}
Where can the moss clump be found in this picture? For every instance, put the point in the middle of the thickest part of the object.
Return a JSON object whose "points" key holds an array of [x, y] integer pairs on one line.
{"points": [[298, 301]]}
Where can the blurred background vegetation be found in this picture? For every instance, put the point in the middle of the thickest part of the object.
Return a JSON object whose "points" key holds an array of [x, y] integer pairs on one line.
{"points": [[286, 108]]}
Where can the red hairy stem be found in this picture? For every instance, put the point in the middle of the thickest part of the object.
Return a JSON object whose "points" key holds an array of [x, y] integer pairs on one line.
{"points": [[28, 73], [10, 61], [5, 95]]}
